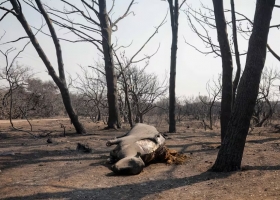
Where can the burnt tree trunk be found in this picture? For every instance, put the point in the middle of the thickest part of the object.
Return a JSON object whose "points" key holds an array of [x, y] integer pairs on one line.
{"points": [[174, 14], [210, 116], [236, 51], [99, 114], [60, 81], [114, 120], [126, 97], [128, 103], [141, 118], [226, 65], [231, 151]]}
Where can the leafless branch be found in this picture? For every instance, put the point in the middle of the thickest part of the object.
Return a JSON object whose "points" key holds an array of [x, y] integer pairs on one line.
{"points": [[113, 5], [7, 11], [97, 70], [206, 39], [275, 26], [203, 52], [273, 52], [117, 48], [155, 32], [182, 4], [146, 56], [4, 16], [4, 2], [124, 15], [20, 38], [82, 13], [91, 7]]}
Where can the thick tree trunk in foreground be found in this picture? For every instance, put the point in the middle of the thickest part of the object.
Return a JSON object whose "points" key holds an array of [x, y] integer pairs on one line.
{"points": [[231, 151], [226, 103], [114, 119], [174, 12], [60, 81]]}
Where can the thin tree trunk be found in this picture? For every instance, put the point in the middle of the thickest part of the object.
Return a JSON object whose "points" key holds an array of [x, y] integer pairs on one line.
{"points": [[237, 56], [99, 114], [126, 98], [114, 120], [210, 117], [128, 107], [11, 106], [174, 11], [141, 118], [231, 151], [60, 81], [226, 103]]}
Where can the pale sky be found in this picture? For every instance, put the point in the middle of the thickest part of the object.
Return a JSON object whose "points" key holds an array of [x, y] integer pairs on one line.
{"points": [[193, 68]]}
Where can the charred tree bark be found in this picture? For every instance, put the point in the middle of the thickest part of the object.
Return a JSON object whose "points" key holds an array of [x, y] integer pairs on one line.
{"points": [[126, 97], [231, 151], [141, 118], [174, 15], [60, 81], [127, 102], [226, 103], [210, 116], [114, 120], [99, 114], [237, 56]]}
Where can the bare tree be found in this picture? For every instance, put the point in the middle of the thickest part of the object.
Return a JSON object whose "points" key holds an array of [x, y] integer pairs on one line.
{"points": [[144, 90], [16, 76], [97, 28], [106, 30], [181, 109], [215, 19], [231, 151], [46, 100], [15, 98], [213, 96], [174, 8], [91, 85], [267, 99], [236, 51], [125, 87], [226, 103], [59, 80], [124, 64]]}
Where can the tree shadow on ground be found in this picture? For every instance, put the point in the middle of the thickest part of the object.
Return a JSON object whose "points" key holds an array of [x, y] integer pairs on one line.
{"points": [[261, 141], [48, 156], [271, 168], [133, 191]]}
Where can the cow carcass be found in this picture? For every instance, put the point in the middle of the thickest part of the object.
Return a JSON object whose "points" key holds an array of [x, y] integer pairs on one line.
{"points": [[143, 144]]}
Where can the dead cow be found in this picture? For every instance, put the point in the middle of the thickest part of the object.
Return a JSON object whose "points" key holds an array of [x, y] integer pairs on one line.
{"points": [[135, 148], [142, 145]]}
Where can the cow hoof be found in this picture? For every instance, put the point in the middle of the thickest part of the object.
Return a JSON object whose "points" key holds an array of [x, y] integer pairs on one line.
{"points": [[108, 144]]}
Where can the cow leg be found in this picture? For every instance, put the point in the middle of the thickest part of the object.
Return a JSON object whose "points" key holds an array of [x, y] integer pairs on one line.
{"points": [[114, 141], [123, 135]]}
